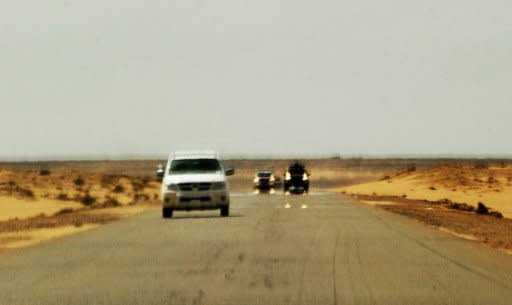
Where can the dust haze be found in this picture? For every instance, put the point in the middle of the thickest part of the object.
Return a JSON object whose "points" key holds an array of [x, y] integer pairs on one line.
{"points": [[293, 77]]}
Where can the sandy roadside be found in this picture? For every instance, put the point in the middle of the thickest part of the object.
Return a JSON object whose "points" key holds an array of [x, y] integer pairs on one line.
{"points": [[31, 231], [447, 197], [11, 208], [459, 184], [38, 205]]}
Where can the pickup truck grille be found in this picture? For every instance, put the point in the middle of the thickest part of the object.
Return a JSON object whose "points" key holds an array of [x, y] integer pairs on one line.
{"points": [[188, 199], [202, 186]]}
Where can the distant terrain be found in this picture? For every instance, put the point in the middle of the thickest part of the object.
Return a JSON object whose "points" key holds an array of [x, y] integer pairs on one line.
{"points": [[44, 200]]}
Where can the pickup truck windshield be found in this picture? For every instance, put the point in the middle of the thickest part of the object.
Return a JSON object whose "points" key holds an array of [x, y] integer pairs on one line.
{"points": [[296, 170], [185, 166], [264, 175]]}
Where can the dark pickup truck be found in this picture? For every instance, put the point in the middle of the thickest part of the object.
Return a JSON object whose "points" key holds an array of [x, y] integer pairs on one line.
{"points": [[296, 179]]}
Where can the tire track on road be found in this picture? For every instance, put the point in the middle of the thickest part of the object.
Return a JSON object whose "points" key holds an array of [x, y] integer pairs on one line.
{"points": [[334, 282], [445, 257], [300, 292]]}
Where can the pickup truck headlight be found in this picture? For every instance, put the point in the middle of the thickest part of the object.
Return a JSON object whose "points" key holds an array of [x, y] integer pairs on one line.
{"points": [[173, 187], [272, 178], [218, 186], [287, 176], [305, 177]]}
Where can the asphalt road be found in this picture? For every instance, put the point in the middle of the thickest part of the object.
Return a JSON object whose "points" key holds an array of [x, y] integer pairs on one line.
{"points": [[317, 249]]}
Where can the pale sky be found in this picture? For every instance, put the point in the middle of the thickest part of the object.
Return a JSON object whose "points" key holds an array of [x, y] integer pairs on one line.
{"points": [[123, 77]]}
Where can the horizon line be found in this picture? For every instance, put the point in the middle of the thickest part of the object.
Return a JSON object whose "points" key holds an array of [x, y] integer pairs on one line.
{"points": [[157, 157]]}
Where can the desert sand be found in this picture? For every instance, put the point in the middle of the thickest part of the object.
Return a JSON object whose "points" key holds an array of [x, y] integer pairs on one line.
{"points": [[465, 183], [35, 201]]}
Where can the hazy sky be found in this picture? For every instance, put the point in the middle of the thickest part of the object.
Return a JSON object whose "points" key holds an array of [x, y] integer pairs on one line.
{"points": [[104, 78]]}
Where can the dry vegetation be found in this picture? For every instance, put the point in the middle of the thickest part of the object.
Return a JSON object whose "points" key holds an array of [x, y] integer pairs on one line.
{"points": [[86, 188], [58, 198]]}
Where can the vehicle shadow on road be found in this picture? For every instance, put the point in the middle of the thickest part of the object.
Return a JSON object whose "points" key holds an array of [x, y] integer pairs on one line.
{"points": [[185, 217]]}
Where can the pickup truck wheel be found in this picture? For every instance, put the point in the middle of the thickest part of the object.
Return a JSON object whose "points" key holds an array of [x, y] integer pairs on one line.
{"points": [[166, 212], [224, 211]]}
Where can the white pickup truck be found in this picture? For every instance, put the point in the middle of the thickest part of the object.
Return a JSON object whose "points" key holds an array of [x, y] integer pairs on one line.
{"points": [[194, 181]]}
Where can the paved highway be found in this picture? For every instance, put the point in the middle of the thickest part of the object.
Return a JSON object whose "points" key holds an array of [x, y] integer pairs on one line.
{"points": [[274, 249]]}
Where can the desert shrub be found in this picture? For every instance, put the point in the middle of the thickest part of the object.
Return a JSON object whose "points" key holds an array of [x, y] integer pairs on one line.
{"points": [[481, 165], [28, 193], [432, 188], [137, 186], [62, 196], [411, 168], [44, 172], [461, 207], [88, 199], [495, 214], [118, 189], [145, 180], [482, 209], [140, 196], [25, 192], [64, 211], [385, 178], [108, 180], [79, 181], [78, 223], [109, 201], [11, 185]]}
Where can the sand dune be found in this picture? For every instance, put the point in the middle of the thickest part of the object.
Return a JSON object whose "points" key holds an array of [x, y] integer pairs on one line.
{"points": [[467, 183]]}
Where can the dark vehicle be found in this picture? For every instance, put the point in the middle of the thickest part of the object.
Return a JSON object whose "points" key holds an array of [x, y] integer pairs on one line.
{"points": [[264, 180], [160, 172], [296, 179]]}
